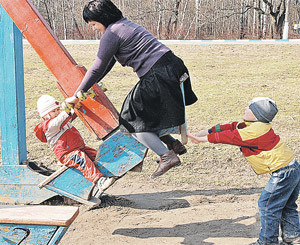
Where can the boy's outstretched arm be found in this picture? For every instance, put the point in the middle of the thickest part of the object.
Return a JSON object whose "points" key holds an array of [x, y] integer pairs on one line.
{"points": [[197, 139], [202, 133]]}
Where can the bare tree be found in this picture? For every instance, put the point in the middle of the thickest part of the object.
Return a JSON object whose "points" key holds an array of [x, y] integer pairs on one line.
{"points": [[183, 19]]}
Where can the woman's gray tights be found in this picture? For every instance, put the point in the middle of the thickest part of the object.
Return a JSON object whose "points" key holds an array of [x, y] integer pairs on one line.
{"points": [[151, 141]]}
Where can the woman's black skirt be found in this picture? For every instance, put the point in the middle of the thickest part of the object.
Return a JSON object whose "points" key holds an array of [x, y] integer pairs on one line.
{"points": [[156, 101]]}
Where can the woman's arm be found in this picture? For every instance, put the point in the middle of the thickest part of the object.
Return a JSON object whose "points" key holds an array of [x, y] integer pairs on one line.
{"points": [[109, 45]]}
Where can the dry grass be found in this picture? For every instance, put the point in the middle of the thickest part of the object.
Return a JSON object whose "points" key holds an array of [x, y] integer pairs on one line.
{"points": [[225, 78]]}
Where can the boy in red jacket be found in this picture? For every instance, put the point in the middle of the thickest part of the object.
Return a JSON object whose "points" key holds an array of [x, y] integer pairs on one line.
{"points": [[66, 142], [266, 153]]}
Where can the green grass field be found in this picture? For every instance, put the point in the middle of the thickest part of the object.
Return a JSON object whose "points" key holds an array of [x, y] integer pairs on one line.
{"points": [[224, 77]]}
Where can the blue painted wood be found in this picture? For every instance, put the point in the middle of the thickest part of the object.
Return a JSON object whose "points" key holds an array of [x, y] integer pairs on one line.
{"points": [[30, 234], [71, 182], [12, 102], [34, 224], [58, 235], [118, 154], [18, 185]]}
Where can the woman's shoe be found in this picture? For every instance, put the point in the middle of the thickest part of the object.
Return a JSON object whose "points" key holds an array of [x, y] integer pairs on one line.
{"points": [[167, 161]]}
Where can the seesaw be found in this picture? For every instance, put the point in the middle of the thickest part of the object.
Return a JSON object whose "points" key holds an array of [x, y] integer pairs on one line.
{"points": [[35, 224], [118, 153]]}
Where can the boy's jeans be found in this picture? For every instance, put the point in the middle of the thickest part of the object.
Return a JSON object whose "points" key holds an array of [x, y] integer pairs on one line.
{"points": [[277, 205]]}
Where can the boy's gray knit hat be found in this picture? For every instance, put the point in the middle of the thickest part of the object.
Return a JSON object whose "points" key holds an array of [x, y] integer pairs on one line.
{"points": [[263, 108]]}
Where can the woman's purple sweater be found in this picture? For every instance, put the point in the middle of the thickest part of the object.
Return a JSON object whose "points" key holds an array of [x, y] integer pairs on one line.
{"points": [[128, 43]]}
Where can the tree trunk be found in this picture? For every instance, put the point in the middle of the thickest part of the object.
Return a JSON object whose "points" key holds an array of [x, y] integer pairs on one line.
{"points": [[182, 20], [159, 19], [64, 20], [197, 19]]}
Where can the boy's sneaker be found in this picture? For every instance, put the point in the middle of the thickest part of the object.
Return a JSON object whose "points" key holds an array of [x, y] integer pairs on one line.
{"points": [[259, 243], [291, 241], [104, 182], [255, 243]]}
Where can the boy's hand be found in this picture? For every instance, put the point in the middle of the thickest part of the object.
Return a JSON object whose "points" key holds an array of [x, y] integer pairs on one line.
{"points": [[202, 133], [196, 139]]}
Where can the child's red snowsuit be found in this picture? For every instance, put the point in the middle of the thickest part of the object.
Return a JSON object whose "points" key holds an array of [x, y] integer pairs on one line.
{"points": [[68, 145]]}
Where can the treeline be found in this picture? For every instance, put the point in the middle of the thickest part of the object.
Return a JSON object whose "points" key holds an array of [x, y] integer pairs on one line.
{"points": [[184, 19]]}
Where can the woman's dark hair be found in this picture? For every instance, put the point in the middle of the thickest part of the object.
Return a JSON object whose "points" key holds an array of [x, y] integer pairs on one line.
{"points": [[103, 11]]}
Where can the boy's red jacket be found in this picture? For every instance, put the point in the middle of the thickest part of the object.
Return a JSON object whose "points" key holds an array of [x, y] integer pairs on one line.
{"points": [[60, 134], [260, 145]]}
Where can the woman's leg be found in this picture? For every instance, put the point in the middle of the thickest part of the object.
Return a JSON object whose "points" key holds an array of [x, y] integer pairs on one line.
{"points": [[151, 141], [173, 144], [168, 159]]}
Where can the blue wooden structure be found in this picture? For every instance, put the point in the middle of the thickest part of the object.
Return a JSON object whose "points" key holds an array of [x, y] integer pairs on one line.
{"points": [[21, 181], [35, 224], [16, 179]]}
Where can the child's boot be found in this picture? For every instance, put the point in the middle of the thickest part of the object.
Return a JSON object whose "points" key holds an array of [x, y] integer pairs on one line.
{"points": [[104, 182]]}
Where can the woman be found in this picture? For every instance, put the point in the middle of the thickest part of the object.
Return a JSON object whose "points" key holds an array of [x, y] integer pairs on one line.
{"points": [[156, 101]]}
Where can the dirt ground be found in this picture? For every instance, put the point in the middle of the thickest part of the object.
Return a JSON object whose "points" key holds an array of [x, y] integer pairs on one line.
{"points": [[212, 197], [146, 212]]}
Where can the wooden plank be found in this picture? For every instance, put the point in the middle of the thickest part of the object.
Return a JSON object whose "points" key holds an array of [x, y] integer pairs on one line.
{"points": [[118, 154], [12, 101], [100, 115], [183, 127], [26, 234], [20, 185], [38, 215], [58, 235], [71, 183], [53, 176]]}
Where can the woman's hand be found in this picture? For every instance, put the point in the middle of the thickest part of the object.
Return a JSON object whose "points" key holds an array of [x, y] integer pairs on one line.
{"points": [[72, 100], [196, 139]]}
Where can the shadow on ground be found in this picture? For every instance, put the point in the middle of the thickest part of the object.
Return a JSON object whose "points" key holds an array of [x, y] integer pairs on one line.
{"points": [[196, 233], [173, 199]]}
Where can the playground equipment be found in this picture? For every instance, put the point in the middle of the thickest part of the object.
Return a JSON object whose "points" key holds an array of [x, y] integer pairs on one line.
{"points": [[22, 181], [35, 224]]}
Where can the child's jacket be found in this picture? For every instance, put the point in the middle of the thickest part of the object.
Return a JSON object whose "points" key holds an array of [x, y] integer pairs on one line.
{"points": [[60, 134], [260, 145]]}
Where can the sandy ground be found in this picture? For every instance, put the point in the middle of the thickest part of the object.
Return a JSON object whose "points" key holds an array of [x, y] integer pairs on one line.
{"points": [[145, 213], [212, 197]]}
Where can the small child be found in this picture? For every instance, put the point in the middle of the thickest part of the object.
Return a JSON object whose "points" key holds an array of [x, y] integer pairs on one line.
{"points": [[266, 153], [66, 142]]}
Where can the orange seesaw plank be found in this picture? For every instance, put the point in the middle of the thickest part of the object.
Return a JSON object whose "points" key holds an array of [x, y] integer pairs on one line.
{"points": [[98, 114]]}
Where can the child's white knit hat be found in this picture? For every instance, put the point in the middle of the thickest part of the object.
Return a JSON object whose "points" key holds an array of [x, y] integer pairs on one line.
{"points": [[45, 104], [263, 108]]}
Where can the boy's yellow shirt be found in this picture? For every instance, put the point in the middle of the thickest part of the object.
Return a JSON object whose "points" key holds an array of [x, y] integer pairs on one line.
{"points": [[266, 161]]}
